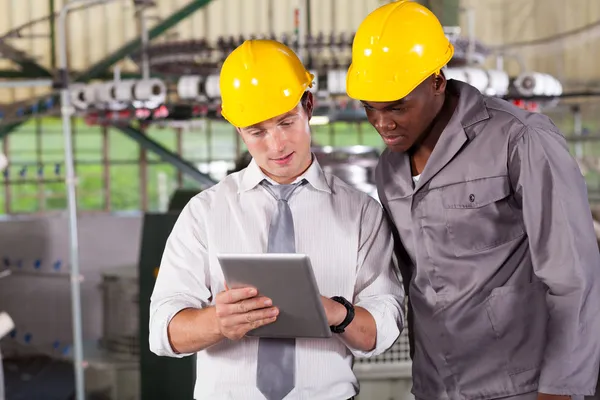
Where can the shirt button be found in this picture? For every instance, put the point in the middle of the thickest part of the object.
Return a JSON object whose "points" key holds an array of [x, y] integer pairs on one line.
{"points": [[471, 197]]}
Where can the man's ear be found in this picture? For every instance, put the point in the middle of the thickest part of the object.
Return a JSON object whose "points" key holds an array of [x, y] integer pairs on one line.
{"points": [[310, 103], [439, 83]]}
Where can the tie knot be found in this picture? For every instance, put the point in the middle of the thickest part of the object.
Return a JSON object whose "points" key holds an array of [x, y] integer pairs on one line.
{"points": [[282, 192]]}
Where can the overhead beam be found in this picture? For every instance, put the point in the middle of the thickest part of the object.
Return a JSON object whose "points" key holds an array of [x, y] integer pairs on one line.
{"points": [[16, 74], [167, 155], [27, 64], [8, 128]]}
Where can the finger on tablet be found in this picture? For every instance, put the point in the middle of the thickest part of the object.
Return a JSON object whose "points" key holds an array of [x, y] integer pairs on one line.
{"points": [[234, 295]]}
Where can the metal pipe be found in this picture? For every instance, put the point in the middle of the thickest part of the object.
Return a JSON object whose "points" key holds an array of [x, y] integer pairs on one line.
{"points": [[179, 140], [52, 35], [7, 188], [143, 164], [39, 158], [501, 57], [301, 30], [270, 17], [500, 62], [577, 130], [106, 167], [471, 33], [66, 112], [145, 40], [26, 83], [309, 32]]}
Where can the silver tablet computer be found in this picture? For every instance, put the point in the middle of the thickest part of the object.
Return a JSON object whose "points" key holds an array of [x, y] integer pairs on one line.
{"points": [[289, 281]]}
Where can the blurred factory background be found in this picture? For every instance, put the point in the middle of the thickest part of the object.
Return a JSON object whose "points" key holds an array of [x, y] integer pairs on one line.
{"points": [[147, 135]]}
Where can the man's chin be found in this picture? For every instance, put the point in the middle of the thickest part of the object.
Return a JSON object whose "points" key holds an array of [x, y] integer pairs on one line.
{"points": [[398, 149]]}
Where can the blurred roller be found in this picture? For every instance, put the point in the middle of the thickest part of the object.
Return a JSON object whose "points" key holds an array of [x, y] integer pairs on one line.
{"points": [[498, 83], [194, 87], [211, 87], [457, 74], [78, 96], [123, 90], [530, 84], [149, 93], [537, 84], [477, 77], [105, 92], [152, 90], [189, 87]]}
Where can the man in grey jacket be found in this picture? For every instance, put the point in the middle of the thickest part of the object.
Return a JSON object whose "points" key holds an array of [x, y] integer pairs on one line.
{"points": [[492, 221]]}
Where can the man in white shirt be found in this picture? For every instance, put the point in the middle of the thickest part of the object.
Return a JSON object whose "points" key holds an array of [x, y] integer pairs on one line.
{"points": [[343, 231]]}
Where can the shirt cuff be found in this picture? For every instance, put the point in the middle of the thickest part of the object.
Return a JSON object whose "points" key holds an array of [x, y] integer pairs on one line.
{"points": [[388, 322], [159, 323]]}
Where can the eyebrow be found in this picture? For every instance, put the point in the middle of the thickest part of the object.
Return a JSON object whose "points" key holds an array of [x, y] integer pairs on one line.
{"points": [[396, 103], [289, 114]]}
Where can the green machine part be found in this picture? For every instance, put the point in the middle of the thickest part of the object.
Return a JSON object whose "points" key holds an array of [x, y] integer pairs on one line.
{"points": [[162, 378]]}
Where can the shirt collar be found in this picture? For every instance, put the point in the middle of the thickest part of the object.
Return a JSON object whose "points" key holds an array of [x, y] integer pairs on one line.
{"points": [[253, 175]]}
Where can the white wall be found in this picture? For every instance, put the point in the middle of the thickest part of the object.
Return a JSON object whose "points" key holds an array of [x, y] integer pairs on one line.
{"points": [[38, 299]]}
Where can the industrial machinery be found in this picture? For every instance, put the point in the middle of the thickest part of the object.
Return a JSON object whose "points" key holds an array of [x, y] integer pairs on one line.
{"points": [[188, 87], [355, 165], [161, 377]]}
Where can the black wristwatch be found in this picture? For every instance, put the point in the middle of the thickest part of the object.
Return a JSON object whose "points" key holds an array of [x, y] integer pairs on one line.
{"points": [[349, 315]]}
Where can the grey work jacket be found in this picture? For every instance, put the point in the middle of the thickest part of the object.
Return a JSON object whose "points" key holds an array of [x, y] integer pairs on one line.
{"points": [[497, 247]]}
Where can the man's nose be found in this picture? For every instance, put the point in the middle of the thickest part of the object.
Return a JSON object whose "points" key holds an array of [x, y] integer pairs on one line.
{"points": [[383, 123], [278, 140]]}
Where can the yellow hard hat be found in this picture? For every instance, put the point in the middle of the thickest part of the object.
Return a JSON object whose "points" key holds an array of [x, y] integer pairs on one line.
{"points": [[396, 48], [259, 80]]}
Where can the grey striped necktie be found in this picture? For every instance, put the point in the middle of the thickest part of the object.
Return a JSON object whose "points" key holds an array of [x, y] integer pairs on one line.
{"points": [[275, 374]]}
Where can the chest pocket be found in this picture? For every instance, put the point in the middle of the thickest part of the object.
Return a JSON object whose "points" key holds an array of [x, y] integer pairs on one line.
{"points": [[479, 215]]}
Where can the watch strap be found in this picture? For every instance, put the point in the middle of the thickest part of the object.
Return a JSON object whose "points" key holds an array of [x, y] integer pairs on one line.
{"points": [[349, 315]]}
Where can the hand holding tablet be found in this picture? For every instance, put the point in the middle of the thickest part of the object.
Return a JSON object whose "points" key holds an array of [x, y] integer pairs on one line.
{"points": [[241, 310], [288, 281]]}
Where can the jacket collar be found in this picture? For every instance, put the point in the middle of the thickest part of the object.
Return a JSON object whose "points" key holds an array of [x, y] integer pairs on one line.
{"points": [[470, 110]]}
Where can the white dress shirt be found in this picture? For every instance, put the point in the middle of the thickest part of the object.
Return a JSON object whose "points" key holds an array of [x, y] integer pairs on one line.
{"points": [[341, 229]]}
